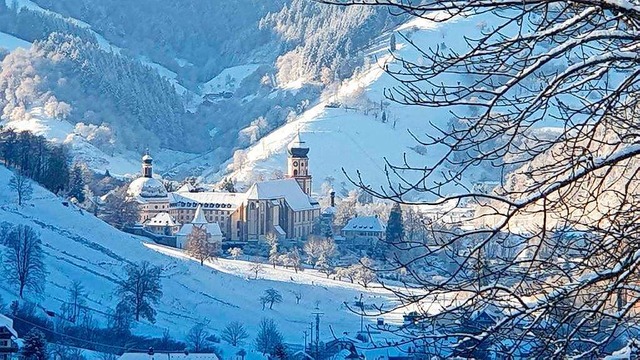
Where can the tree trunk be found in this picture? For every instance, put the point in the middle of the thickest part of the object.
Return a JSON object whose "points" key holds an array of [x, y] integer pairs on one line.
{"points": [[21, 289]]}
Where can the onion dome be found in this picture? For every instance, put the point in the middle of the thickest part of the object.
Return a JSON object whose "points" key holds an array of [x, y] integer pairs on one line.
{"points": [[146, 188], [298, 148]]}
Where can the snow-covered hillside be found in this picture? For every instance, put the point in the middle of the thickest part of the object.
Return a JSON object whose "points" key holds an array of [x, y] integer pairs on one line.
{"points": [[79, 246], [354, 137]]}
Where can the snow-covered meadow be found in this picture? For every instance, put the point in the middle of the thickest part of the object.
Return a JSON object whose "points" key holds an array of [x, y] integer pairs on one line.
{"points": [[80, 247]]}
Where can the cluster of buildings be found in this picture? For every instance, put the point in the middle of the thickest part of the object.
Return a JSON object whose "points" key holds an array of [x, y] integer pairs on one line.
{"points": [[283, 207]]}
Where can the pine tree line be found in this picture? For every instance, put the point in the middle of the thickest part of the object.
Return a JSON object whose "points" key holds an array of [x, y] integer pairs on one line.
{"points": [[33, 25], [33, 156]]}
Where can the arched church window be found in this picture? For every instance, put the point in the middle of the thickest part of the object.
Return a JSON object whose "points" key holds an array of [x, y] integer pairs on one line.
{"points": [[295, 172]]}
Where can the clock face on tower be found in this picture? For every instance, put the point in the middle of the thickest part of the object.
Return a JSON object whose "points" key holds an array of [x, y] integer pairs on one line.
{"points": [[295, 163]]}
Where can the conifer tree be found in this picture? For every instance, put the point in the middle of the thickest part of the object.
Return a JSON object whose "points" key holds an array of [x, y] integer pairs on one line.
{"points": [[76, 184], [395, 227], [392, 42], [35, 345]]}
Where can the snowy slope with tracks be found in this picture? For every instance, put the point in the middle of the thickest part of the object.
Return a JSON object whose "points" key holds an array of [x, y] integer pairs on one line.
{"points": [[79, 246]]}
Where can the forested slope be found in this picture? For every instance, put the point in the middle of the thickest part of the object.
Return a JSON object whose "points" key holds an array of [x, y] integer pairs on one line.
{"points": [[108, 68]]}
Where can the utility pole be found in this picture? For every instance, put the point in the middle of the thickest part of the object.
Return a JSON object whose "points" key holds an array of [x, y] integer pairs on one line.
{"points": [[305, 340], [311, 338], [361, 314], [317, 314]]}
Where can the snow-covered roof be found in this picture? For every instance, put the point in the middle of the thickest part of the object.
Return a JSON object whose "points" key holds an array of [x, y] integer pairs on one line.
{"points": [[302, 354], [145, 187], [208, 199], [287, 189], [329, 210], [8, 323], [162, 219], [365, 223], [169, 356], [198, 218], [212, 229], [185, 188]]}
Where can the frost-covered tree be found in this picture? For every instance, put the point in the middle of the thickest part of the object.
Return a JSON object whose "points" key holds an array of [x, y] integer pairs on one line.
{"points": [[346, 209], [234, 333], [529, 66], [321, 253], [199, 246], [77, 183], [292, 258], [22, 260], [35, 345], [228, 185], [235, 252], [256, 269], [141, 289], [272, 241], [119, 210]]}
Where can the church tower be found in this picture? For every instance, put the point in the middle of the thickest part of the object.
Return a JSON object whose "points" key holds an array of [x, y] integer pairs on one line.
{"points": [[298, 164], [147, 165]]}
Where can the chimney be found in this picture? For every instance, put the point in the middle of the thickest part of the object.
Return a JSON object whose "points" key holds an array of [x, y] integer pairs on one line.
{"points": [[333, 198]]}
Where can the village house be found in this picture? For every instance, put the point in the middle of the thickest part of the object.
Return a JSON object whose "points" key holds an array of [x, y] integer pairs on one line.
{"points": [[211, 229], [282, 207], [363, 231], [8, 337], [152, 355]]}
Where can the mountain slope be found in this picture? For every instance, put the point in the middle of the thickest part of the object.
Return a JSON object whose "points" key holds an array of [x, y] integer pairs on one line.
{"points": [[187, 44], [346, 130], [81, 247]]}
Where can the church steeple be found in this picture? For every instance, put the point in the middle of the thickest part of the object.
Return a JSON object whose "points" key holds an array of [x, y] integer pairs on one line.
{"points": [[147, 165], [298, 163]]}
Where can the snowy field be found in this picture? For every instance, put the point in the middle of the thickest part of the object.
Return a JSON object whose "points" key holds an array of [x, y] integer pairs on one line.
{"points": [[229, 79], [80, 247]]}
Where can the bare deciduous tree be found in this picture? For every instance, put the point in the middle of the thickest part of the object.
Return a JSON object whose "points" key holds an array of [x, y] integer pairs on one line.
{"points": [[141, 289], [271, 296], [22, 187], [234, 333], [197, 338], [199, 246], [23, 263], [119, 210], [256, 269], [76, 301], [571, 65]]}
